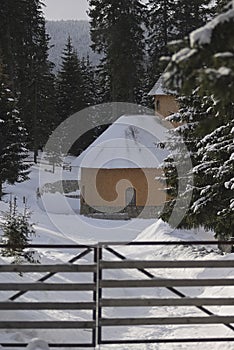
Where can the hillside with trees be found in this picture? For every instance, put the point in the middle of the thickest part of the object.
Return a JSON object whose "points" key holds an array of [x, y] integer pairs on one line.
{"points": [[79, 32]]}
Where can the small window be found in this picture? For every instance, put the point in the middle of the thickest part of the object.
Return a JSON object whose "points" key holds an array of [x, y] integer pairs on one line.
{"points": [[130, 196]]}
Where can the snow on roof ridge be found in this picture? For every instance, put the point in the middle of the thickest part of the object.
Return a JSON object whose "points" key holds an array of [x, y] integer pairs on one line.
{"points": [[159, 88]]}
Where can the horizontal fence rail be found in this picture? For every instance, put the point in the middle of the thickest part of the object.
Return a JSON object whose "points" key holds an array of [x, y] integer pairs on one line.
{"points": [[166, 320], [47, 270], [139, 264], [169, 282], [165, 302], [47, 325], [8, 305], [105, 245], [48, 286], [106, 258]]}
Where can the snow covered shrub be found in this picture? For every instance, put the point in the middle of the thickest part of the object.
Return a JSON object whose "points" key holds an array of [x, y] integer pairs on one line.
{"points": [[16, 233]]}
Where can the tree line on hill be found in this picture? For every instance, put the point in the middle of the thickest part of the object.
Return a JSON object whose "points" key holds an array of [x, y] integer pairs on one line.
{"points": [[79, 31], [131, 37]]}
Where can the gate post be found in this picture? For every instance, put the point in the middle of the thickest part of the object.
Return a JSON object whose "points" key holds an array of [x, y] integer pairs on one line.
{"points": [[94, 331], [97, 313], [99, 295]]}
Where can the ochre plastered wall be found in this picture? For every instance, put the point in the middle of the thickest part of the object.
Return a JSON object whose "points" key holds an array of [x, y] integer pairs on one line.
{"points": [[166, 105], [107, 187]]}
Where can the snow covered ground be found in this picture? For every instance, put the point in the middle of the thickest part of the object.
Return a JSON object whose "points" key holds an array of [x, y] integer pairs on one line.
{"points": [[62, 224]]}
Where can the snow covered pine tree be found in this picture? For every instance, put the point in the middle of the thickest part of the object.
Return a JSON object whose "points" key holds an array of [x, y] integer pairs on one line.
{"points": [[13, 137], [206, 68]]}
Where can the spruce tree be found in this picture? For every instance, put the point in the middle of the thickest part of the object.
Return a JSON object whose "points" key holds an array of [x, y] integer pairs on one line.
{"points": [[54, 153], [206, 67], [90, 95], [190, 15], [160, 25], [215, 171], [117, 33], [13, 138], [24, 46], [169, 22], [221, 5], [90, 83], [70, 84], [192, 122], [36, 80], [12, 32]]}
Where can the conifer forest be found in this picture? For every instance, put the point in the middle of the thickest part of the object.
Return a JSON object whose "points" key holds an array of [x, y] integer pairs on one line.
{"points": [[188, 43]]}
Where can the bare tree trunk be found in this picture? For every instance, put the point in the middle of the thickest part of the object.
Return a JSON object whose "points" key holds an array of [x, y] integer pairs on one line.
{"points": [[35, 136], [35, 154], [1, 193]]}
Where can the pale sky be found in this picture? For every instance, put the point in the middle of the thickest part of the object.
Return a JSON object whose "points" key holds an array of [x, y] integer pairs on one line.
{"points": [[66, 9]]}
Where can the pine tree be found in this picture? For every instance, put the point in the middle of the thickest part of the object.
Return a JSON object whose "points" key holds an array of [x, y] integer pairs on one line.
{"points": [[54, 153], [160, 25], [207, 67], [12, 31], [37, 100], [24, 46], [190, 15], [70, 84], [221, 5], [117, 32], [192, 122], [215, 189], [169, 22], [90, 91], [12, 138]]}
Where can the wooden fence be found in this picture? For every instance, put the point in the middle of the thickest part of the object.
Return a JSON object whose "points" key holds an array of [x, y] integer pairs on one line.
{"points": [[101, 262]]}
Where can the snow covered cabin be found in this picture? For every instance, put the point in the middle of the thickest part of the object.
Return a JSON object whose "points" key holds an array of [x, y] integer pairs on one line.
{"points": [[164, 100], [119, 171]]}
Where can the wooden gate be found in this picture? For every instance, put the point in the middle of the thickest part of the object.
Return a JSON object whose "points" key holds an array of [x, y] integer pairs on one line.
{"points": [[101, 262]]}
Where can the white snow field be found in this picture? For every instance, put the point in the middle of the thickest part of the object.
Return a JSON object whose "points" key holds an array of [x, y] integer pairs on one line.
{"points": [[62, 224], [37, 344]]}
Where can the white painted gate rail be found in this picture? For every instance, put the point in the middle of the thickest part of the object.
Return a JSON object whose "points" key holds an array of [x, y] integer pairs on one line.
{"points": [[102, 262]]}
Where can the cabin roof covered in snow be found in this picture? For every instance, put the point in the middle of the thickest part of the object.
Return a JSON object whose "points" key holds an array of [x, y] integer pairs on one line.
{"points": [[159, 89], [132, 141]]}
